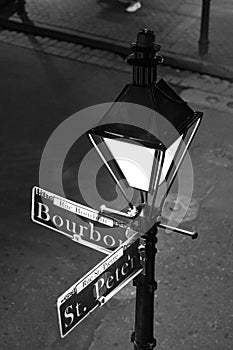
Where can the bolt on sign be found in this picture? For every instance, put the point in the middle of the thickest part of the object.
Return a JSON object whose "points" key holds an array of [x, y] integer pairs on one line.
{"points": [[80, 223], [99, 285]]}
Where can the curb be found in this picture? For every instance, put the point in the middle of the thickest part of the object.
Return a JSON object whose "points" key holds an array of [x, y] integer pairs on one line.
{"points": [[68, 35], [120, 47], [198, 65]]}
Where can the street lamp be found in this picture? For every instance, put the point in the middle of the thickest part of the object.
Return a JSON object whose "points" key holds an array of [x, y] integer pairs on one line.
{"points": [[146, 149]]}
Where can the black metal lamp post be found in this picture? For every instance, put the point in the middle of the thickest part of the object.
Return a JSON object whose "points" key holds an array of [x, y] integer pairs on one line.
{"points": [[155, 144], [204, 28]]}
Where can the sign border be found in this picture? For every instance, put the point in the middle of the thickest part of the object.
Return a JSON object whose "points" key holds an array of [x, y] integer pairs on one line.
{"points": [[80, 240], [122, 247]]}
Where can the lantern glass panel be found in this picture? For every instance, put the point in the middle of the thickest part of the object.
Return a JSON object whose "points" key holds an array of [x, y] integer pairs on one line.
{"points": [[134, 160], [169, 158]]}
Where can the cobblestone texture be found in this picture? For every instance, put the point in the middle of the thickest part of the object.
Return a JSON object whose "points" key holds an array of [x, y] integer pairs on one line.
{"points": [[107, 59], [177, 22]]}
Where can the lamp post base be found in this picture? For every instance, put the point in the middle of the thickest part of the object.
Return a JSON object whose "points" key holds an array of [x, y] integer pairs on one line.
{"points": [[137, 346]]}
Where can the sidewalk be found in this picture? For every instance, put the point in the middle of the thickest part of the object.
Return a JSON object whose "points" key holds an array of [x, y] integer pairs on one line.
{"points": [[104, 24]]}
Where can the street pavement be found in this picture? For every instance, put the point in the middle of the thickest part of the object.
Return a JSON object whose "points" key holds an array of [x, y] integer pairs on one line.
{"points": [[194, 301], [104, 24]]}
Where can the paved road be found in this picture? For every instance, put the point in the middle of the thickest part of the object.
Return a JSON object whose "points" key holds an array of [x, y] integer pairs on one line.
{"points": [[194, 300]]}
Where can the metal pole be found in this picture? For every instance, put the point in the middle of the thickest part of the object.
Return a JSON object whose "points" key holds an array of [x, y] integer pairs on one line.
{"points": [[143, 337], [204, 31]]}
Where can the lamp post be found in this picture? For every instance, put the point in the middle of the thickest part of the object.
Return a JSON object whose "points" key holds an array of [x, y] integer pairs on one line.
{"points": [[157, 141], [204, 29]]}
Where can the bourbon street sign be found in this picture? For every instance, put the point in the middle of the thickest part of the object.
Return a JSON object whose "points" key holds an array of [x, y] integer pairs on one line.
{"points": [[99, 285], [76, 221]]}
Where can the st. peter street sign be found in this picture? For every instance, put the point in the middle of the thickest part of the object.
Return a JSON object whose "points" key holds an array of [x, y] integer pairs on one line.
{"points": [[99, 285], [76, 221]]}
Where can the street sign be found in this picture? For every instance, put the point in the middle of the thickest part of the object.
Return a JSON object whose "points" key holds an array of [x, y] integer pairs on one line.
{"points": [[99, 285], [76, 221]]}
